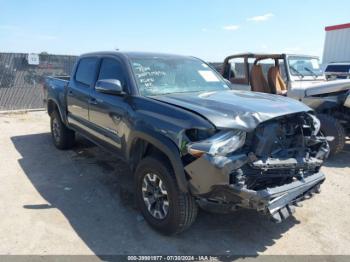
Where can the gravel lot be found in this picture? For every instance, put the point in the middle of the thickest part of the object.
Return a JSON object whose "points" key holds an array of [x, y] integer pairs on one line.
{"points": [[81, 202]]}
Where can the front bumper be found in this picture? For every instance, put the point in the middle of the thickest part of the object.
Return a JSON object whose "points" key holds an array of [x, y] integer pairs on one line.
{"points": [[278, 202], [212, 186]]}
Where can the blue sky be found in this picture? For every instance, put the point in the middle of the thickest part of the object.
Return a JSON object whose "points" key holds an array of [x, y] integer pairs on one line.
{"points": [[205, 28]]}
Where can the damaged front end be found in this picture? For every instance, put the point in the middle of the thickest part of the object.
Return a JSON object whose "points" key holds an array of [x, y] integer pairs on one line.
{"points": [[269, 169]]}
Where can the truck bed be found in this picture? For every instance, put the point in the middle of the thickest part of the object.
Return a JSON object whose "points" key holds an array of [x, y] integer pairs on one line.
{"points": [[54, 85], [58, 79]]}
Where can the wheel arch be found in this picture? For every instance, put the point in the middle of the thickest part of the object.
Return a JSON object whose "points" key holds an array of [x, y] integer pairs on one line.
{"points": [[53, 105], [144, 142]]}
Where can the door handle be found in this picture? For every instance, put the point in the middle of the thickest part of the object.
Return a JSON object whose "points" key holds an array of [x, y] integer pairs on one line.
{"points": [[93, 101]]}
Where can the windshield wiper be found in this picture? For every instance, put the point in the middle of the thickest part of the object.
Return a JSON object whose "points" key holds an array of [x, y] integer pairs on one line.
{"points": [[296, 71], [311, 71]]}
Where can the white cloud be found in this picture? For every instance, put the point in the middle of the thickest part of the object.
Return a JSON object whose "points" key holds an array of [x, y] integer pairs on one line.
{"points": [[231, 27], [260, 18]]}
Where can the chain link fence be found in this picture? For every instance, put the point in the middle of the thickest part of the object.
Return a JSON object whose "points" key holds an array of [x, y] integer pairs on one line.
{"points": [[21, 80]]}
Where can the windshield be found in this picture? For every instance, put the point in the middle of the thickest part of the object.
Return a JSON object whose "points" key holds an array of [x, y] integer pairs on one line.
{"points": [[304, 66], [164, 75]]}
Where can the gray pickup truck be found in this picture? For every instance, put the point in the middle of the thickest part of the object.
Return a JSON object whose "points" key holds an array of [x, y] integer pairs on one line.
{"points": [[189, 140]]}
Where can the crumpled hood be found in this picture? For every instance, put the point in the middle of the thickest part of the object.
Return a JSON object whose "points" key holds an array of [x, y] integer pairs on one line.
{"points": [[328, 87], [242, 110]]}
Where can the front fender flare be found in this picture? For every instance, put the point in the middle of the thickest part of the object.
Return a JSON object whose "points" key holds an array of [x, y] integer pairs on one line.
{"points": [[165, 145]]}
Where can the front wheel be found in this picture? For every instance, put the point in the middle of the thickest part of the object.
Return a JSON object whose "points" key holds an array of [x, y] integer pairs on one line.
{"points": [[163, 205], [330, 126]]}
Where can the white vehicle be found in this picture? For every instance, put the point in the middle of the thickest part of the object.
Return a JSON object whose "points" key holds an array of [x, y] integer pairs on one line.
{"points": [[299, 77], [335, 71]]}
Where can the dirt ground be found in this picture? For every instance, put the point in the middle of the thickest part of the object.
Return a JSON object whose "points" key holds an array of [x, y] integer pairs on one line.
{"points": [[81, 202]]}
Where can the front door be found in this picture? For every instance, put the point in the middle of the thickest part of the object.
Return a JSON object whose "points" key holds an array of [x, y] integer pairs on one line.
{"points": [[107, 113]]}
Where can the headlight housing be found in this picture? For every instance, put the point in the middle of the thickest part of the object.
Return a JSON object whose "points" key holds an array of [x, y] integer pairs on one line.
{"points": [[222, 143], [316, 124]]}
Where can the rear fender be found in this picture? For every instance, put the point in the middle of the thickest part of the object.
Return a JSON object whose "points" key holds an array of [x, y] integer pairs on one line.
{"points": [[54, 102]]}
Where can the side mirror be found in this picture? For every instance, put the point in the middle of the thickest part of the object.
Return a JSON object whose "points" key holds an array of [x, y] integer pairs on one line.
{"points": [[109, 86]]}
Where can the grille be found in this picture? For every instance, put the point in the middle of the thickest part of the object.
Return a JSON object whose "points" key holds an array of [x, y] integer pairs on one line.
{"points": [[282, 138]]}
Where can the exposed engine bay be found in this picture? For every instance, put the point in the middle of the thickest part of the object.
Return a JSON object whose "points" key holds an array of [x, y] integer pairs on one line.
{"points": [[280, 159], [284, 149]]}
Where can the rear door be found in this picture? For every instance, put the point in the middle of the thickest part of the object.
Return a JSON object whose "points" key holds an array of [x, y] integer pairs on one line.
{"points": [[108, 112], [79, 89]]}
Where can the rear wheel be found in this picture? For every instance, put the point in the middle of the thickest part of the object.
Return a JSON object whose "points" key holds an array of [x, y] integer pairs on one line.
{"points": [[330, 126], [164, 206], [62, 136]]}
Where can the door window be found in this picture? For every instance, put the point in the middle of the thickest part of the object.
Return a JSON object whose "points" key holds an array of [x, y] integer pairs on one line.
{"points": [[112, 69], [86, 71]]}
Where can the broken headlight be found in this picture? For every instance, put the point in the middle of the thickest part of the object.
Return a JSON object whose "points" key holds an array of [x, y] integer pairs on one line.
{"points": [[222, 143], [316, 125]]}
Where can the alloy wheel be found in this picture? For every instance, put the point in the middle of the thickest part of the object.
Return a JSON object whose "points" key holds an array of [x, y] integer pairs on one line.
{"points": [[56, 129], [155, 196]]}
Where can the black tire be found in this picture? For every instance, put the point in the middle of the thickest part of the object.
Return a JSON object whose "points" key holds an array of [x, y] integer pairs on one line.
{"points": [[330, 126], [182, 208], [62, 136]]}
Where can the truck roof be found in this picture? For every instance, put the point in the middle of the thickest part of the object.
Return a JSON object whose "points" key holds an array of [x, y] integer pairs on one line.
{"points": [[133, 54]]}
